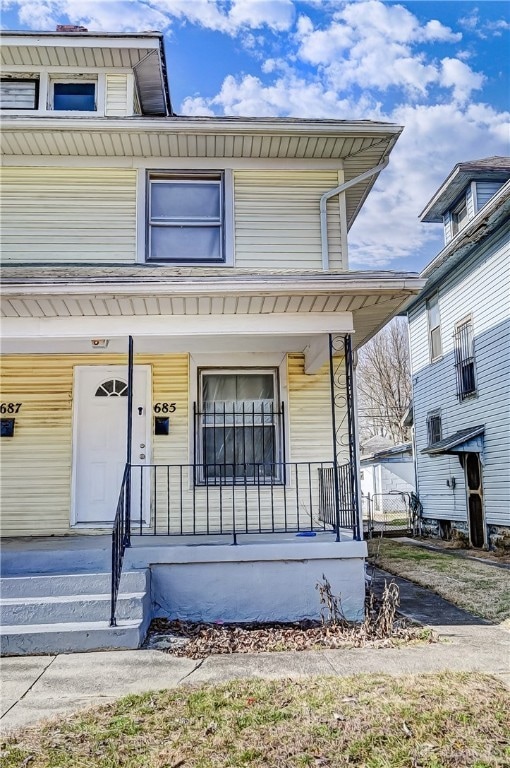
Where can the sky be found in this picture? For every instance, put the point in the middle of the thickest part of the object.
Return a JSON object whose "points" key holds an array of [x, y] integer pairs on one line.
{"points": [[440, 68]]}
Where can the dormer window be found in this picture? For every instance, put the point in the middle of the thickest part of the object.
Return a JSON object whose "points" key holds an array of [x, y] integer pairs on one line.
{"points": [[69, 95], [19, 93], [459, 216]]}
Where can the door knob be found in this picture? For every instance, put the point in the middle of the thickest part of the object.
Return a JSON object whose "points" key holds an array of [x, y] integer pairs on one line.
{"points": [[142, 445], [142, 455]]}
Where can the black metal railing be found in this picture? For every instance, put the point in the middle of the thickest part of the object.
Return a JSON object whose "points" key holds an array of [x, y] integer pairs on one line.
{"points": [[464, 360], [120, 539], [234, 499], [339, 513]]}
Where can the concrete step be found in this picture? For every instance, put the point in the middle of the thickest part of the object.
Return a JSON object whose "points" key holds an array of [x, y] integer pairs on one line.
{"points": [[62, 613], [70, 584], [69, 608], [55, 561], [71, 637]]}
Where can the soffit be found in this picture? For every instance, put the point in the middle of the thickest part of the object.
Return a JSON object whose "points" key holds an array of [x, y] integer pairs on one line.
{"points": [[72, 55], [370, 310]]}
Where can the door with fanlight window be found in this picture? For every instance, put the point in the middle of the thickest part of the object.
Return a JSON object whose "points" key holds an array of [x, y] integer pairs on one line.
{"points": [[100, 431]]}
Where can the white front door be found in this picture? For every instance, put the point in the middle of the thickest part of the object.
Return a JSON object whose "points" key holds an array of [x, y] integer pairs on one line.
{"points": [[100, 430]]}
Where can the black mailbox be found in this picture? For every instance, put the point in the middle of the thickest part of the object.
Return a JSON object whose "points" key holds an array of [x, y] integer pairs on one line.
{"points": [[7, 427], [161, 425]]}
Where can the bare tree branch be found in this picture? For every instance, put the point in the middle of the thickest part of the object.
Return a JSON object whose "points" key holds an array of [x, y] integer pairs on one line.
{"points": [[384, 383]]}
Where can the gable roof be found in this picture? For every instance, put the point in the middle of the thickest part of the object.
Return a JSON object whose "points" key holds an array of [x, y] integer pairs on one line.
{"points": [[495, 168]]}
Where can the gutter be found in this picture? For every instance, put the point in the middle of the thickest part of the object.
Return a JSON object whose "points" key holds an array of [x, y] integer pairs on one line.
{"points": [[410, 285], [332, 193]]}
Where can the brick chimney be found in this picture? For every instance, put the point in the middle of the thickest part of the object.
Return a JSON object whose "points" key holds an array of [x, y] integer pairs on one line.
{"points": [[70, 28]]}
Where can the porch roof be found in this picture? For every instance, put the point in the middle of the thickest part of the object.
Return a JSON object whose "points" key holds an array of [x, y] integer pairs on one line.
{"points": [[75, 304], [460, 442]]}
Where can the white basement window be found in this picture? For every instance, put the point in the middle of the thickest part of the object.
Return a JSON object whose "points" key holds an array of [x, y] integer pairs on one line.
{"points": [[186, 218], [19, 93]]}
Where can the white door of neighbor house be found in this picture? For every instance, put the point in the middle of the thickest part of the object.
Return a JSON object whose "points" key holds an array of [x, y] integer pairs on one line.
{"points": [[100, 431]]}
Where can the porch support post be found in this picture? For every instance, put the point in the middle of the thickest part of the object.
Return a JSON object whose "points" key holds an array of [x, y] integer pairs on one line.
{"points": [[333, 388], [353, 437], [129, 441]]}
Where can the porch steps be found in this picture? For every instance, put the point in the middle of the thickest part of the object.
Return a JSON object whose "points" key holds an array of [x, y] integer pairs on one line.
{"points": [[62, 613]]}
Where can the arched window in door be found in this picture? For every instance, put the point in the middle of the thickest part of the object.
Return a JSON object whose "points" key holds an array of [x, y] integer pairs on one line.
{"points": [[112, 388]]}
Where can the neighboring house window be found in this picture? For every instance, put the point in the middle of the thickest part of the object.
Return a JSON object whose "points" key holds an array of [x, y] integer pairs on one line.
{"points": [[238, 427], [465, 359], [73, 96], [434, 327], [19, 93], [186, 218], [459, 216], [434, 427]]}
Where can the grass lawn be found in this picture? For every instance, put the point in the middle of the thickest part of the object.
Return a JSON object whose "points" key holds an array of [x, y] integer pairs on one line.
{"points": [[479, 588], [376, 721]]}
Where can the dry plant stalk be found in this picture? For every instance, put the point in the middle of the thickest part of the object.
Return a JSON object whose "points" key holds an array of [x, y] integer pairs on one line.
{"points": [[331, 610]]}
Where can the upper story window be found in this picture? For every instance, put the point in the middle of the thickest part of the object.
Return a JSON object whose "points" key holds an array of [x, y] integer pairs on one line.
{"points": [[19, 93], [434, 323], [186, 218], [465, 359], [73, 96], [459, 216], [434, 427]]}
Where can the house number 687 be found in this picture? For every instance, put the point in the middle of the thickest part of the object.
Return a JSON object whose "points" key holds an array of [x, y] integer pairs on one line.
{"points": [[165, 407]]}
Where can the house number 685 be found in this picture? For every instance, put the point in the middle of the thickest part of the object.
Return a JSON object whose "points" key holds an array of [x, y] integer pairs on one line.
{"points": [[165, 407]]}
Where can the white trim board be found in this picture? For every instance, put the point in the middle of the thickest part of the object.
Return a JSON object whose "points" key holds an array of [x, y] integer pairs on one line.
{"points": [[281, 324]]}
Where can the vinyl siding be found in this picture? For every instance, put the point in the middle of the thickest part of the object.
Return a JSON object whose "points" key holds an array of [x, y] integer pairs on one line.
{"points": [[36, 463], [68, 215], [277, 222], [481, 289], [116, 101]]}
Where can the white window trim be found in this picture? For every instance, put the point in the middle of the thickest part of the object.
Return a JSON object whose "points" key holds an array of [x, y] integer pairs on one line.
{"points": [[430, 329], [100, 84], [239, 362], [436, 413], [142, 220]]}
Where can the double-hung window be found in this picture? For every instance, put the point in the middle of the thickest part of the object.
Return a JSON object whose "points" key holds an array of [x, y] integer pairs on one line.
{"points": [[434, 323], [434, 427], [186, 218], [464, 359], [238, 427]]}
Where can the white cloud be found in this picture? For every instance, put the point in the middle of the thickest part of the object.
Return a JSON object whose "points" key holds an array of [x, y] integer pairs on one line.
{"points": [[483, 28], [229, 16], [374, 45], [461, 78]]}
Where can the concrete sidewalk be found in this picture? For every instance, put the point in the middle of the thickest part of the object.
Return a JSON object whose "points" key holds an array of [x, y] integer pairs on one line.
{"points": [[38, 687]]}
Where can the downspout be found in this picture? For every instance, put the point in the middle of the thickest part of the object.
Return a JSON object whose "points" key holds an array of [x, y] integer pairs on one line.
{"points": [[337, 191]]}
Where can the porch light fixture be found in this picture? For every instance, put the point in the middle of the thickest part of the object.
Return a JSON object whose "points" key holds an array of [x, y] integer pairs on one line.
{"points": [[99, 343]]}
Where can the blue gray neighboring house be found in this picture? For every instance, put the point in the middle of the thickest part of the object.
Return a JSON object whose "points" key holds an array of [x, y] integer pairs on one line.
{"points": [[460, 357]]}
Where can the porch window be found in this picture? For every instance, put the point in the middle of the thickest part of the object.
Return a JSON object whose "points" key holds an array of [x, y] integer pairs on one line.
{"points": [[464, 360], [434, 322], [239, 428], [186, 218], [434, 427]]}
